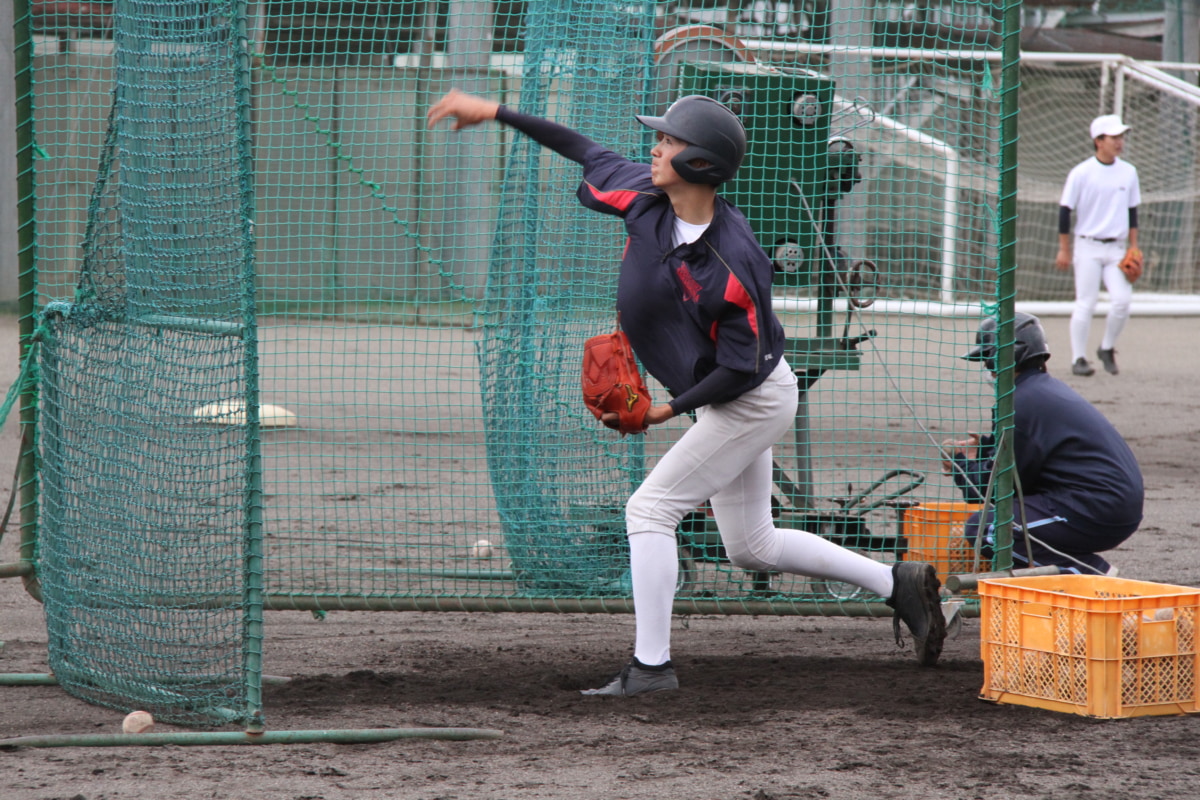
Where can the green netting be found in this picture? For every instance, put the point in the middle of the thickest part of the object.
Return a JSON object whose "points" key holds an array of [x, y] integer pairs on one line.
{"points": [[376, 363], [557, 480], [145, 524]]}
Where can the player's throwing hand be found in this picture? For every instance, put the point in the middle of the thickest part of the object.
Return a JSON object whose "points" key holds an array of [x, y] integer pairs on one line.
{"points": [[466, 109]]}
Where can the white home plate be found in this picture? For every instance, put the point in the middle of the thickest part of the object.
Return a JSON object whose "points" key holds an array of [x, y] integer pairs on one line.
{"points": [[233, 412]]}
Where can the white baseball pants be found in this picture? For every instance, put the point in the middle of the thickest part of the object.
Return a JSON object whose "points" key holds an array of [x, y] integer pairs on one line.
{"points": [[726, 457], [1097, 262]]}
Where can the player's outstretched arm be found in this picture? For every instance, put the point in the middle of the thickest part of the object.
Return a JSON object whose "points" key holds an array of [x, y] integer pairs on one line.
{"points": [[466, 109]]}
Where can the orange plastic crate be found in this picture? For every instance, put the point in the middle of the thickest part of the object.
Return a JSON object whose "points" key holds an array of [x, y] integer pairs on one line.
{"points": [[934, 533], [1090, 645]]}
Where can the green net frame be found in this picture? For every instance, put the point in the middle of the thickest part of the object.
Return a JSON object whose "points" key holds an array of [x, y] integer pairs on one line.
{"points": [[297, 350]]}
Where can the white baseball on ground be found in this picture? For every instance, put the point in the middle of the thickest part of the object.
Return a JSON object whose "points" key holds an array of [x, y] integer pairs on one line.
{"points": [[137, 722], [481, 549]]}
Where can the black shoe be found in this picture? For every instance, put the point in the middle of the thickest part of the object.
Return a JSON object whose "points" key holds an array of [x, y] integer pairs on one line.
{"points": [[637, 678], [1108, 359], [1082, 367], [917, 603]]}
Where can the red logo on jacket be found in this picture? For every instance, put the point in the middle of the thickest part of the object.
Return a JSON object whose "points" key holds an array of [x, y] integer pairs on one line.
{"points": [[691, 289]]}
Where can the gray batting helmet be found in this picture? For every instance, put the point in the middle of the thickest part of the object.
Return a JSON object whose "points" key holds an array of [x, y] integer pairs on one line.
{"points": [[1029, 341], [713, 133]]}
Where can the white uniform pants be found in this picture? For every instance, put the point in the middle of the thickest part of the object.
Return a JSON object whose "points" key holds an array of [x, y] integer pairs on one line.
{"points": [[726, 457], [1097, 262]]}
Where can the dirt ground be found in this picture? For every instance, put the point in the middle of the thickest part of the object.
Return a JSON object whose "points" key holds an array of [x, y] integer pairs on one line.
{"points": [[770, 708]]}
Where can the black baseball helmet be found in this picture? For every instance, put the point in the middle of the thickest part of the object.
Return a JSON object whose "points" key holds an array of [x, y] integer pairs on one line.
{"points": [[1029, 336], [713, 133]]}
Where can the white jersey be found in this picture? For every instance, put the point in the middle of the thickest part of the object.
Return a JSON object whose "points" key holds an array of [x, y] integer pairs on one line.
{"points": [[1101, 195]]}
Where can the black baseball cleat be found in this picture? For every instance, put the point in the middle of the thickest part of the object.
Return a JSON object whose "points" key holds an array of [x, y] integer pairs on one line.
{"points": [[1082, 367], [917, 603], [636, 678], [1109, 359]]}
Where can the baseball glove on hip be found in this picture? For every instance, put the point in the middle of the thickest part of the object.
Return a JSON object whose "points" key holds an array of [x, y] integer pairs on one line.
{"points": [[612, 382], [1132, 264]]}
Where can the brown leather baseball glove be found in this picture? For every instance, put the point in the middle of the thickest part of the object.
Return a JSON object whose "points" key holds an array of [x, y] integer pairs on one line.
{"points": [[1132, 264], [612, 382]]}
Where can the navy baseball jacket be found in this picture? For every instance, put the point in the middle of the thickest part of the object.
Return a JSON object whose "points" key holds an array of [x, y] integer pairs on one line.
{"points": [[1065, 451], [699, 315]]}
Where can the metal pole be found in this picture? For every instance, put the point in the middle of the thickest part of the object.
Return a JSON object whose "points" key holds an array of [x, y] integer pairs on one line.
{"points": [[28, 679], [1106, 71], [16, 569], [252, 570], [1181, 32], [778, 605], [1006, 282], [950, 225], [50, 679], [464, 238], [970, 582], [361, 736], [850, 65], [9, 272], [26, 276], [802, 497]]}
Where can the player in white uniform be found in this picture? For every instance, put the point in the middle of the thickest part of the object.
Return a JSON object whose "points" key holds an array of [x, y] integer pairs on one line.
{"points": [[1104, 194]]}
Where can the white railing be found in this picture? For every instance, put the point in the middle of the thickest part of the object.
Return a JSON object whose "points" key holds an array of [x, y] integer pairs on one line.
{"points": [[959, 173]]}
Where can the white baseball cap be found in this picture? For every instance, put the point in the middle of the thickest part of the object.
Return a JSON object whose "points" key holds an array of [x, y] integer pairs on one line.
{"points": [[1108, 125]]}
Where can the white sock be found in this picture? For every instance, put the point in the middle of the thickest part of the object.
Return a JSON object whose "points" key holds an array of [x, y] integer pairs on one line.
{"points": [[806, 553], [654, 567]]}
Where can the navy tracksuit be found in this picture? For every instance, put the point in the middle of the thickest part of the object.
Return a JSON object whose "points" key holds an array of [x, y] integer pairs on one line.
{"points": [[1081, 483], [703, 327]]}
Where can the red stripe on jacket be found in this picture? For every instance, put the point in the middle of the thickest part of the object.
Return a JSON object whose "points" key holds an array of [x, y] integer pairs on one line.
{"points": [[736, 293], [620, 199]]}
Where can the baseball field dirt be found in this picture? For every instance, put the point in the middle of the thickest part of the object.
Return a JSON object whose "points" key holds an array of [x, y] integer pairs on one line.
{"points": [[770, 708]]}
